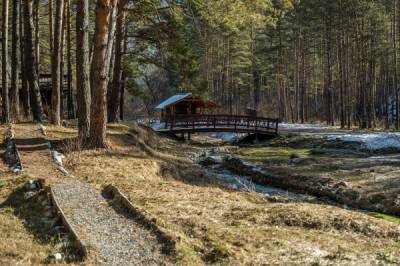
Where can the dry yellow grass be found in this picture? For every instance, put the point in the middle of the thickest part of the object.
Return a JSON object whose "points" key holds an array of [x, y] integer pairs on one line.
{"points": [[24, 239], [216, 225]]}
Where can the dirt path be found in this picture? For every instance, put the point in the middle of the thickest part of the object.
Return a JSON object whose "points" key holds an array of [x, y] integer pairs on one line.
{"points": [[116, 238], [112, 236], [34, 152]]}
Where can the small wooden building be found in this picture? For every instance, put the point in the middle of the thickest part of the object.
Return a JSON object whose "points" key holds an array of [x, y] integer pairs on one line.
{"points": [[184, 104]]}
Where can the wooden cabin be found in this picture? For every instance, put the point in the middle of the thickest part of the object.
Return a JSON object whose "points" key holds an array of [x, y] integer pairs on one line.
{"points": [[184, 104]]}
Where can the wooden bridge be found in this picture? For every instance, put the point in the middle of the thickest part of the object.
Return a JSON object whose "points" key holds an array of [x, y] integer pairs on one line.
{"points": [[197, 123]]}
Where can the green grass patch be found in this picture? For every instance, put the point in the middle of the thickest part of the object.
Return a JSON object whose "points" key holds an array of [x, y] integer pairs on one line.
{"points": [[272, 153], [386, 217]]}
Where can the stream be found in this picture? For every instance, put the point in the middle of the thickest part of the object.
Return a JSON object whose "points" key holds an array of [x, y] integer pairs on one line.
{"points": [[211, 160]]}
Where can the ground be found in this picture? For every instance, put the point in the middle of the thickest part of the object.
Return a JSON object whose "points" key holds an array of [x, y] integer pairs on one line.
{"points": [[25, 240], [212, 224], [360, 178]]}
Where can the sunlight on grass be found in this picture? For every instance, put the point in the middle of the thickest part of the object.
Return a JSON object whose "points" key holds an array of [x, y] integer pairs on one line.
{"points": [[386, 217], [272, 153]]}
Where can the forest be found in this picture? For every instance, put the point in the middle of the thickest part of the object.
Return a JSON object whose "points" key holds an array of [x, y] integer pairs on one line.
{"points": [[200, 132], [299, 61]]}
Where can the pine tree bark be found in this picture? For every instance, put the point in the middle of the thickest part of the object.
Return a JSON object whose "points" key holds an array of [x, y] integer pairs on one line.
{"points": [[51, 34], [123, 78], [83, 68], [70, 96], [395, 80], [14, 93], [116, 85], [62, 58], [24, 80], [55, 66], [37, 35], [30, 61], [98, 111], [4, 64]]}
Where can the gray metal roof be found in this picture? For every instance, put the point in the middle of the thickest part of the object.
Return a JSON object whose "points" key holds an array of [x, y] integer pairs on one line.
{"points": [[174, 99]]}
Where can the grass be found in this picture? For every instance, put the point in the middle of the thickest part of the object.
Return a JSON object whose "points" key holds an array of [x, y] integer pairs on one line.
{"points": [[272, 153], [375, 183], [214, 225], [386, 217], [24, 238]]}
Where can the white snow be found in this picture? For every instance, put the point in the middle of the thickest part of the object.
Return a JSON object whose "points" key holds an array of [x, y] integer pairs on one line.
{"points": [[58, 157], [305, 126], [371, 141], [157, 125]]}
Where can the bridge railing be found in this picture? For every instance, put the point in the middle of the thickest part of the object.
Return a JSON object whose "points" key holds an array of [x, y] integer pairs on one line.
{"points": [[203, 121]]}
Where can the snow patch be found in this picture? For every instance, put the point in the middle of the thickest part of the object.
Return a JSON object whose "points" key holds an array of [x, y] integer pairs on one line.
{"points": [[372, 142], [157, 125], [305, 126], [58, 157]]}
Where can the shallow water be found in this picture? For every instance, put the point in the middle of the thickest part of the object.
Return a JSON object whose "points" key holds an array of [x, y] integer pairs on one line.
{"points": [[387, 158]]}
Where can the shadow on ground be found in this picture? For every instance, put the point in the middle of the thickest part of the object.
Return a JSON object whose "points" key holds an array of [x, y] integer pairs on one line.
{"points": [[31, 212]]}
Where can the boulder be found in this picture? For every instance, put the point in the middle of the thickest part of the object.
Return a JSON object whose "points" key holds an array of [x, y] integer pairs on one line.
{"points": [[211, 160]]}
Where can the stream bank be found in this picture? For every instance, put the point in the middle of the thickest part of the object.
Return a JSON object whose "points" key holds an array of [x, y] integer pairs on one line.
{"points": [[329, 169]]}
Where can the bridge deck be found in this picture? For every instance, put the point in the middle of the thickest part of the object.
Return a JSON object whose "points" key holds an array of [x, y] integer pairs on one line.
{"points": [[220, 123]]}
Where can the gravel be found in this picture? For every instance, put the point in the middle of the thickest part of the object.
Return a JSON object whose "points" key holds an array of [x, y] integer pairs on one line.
{"points": [[116, 238]]}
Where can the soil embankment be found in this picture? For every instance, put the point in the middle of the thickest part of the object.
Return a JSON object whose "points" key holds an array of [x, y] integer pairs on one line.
{"points": [[332, 170]]}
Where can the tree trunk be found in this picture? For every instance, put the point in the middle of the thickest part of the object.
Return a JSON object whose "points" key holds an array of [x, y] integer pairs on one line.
{"points": [[51, 36], [98, 111], [14, 94], [30, 61], [395, 81], [4, 69], [37, 42], [83, 68], [56, 67], [124, 75], [24, 80], [62, 49], [70, 96], [114, 95]]}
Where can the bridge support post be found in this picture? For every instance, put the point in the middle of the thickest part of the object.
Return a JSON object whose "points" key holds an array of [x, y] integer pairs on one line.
{"points": [[189, 136]]}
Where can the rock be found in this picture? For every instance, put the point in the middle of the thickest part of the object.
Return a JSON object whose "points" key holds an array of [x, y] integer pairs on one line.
{"points": [[58, 157], [29, 194], [62, 170], [211, 160], [238, 166], [31, 185], [57, 230], [43, 130], [16, 170], [56, 256], [342, 184]]}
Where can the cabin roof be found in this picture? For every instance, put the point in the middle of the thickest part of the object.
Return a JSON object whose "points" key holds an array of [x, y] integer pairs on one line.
{"points": [[172, 100]]}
